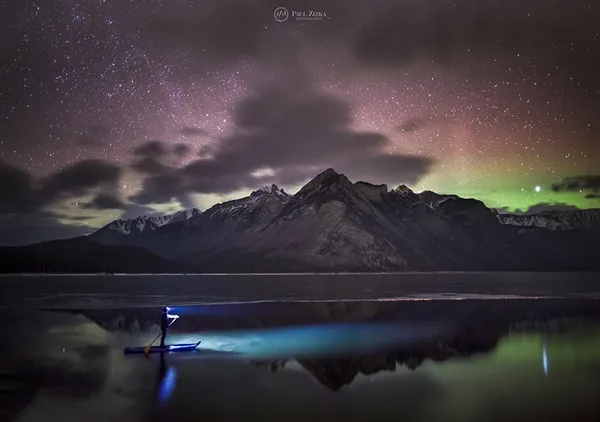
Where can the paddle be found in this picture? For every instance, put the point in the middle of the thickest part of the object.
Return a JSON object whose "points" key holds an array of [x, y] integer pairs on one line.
{"points": [[147, 348]]}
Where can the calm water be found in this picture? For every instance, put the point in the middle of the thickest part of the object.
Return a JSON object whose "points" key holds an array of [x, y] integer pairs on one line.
{"points": [[57, 366], [144, 290], [530, 351]]}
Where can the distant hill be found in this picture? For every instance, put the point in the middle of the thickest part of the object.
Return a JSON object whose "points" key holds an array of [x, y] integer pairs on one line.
{"points": [[81, 255], [332, 224]]}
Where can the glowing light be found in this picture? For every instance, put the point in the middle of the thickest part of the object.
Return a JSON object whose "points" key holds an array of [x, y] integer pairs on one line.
{"points": [[538, 188], [167, 386], [545, 358], [312, 340]]}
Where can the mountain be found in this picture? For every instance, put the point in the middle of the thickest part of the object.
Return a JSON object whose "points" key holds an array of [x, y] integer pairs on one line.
{"points": [[136, 227], [82, 255], [333, 224], [555, 220]]}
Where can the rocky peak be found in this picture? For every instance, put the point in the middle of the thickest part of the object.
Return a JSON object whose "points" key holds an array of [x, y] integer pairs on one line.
{"points": [[433, 199], [270, 190], [372, 192], [404, 190], [185, 215], [469, 209], [327, 180]]}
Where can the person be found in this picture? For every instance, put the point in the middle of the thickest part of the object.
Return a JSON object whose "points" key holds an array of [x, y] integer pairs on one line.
{"points": [[165, 322]]}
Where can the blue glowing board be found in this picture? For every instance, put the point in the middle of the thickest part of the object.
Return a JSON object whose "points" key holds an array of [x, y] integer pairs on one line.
{"points": [[170, 348]]}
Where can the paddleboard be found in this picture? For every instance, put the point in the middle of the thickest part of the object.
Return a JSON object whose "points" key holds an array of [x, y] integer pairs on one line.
{"points": [[169, 348]]}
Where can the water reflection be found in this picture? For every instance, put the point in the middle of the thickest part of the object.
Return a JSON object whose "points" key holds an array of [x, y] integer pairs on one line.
{"points": [[463, 378], [335, 372], [545, 357], [478, 365], [166, 381]]}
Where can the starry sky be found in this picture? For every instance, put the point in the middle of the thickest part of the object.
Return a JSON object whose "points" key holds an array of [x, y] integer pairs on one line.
{"points": [[114, 109]]}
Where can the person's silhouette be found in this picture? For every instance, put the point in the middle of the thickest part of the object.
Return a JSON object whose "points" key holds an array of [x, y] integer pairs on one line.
{"points": [[165, 323]]}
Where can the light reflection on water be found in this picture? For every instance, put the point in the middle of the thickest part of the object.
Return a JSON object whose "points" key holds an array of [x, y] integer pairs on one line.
{"points": [[347, 372], [324, 339]]}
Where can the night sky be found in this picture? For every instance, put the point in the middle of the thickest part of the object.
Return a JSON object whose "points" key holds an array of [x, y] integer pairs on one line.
{"points": [[114, 108]]}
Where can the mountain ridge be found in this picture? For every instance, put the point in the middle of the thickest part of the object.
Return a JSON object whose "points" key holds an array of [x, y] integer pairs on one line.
{"points": [[332, 224]]}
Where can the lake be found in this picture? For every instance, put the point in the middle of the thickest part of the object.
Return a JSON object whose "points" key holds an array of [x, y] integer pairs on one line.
{"points": [[427, 347], [143, 290]]}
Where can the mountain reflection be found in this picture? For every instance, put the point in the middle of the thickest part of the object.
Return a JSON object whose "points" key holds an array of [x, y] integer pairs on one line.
{"points": [[336, 372]]}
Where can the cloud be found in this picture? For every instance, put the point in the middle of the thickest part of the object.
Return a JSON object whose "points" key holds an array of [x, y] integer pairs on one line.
{"points": [[151, 156], [587, 183], [550, 206], [162, 187], [135, 210], [293, 132], [21, 192], [193, 131], [104, 201], [538, 208], [24, 200], [151, 149], [450, 31], [181, 150], [37, 226], [149, 165], [17, 188]]}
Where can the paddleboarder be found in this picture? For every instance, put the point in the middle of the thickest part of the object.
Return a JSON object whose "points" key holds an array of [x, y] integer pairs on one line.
{"points": [[165, 322]]}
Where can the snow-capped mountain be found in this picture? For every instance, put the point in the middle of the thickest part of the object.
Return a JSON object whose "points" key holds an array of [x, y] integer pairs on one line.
{"points": [[174, 234], [555, 220], [333, 224], [132, 227]]}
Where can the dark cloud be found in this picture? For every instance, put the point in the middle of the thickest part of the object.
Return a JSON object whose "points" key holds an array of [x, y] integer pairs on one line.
{"points": [[586, 183], [38, 226], [414, 124], [181, 150], [151, 156], [293, 133], [192, 131], [77, 179], [17, 187], [104, 201], [136, 210], [538, 208], [151, 149], [24, 217], [149, 166], [450, 31], [549, 206], [22, 193], [162, 187]]}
